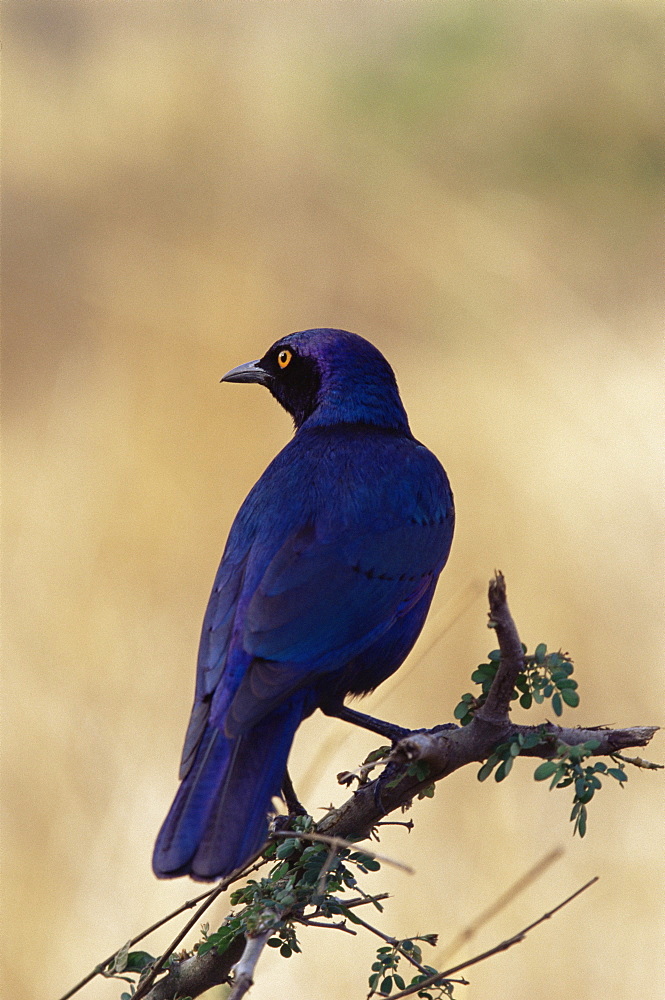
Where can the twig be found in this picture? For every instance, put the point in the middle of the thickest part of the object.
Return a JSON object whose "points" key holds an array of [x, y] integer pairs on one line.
{"points": [[352, 903], [159, 964], [210, 898], [639, 762], [325, 868], [102, 966], [504, 899], [306, 922], [341, 842], [495, 709], [244, 969], [503, 946], [393, 942]]}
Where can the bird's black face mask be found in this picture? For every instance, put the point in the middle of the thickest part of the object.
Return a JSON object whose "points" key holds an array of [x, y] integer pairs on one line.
{"points": [[293, 379]]}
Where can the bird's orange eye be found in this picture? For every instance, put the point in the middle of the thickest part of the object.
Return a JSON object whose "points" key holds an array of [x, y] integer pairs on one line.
{"points": [[283, 358]]}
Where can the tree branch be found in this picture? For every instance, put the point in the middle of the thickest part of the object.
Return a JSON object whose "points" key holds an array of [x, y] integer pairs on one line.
{"points": [[244, 968], [496, 708], [446, 752], [445, 749]]}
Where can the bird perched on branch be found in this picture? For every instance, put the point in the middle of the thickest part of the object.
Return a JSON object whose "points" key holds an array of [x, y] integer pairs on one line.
{"points": [[325, 583]]}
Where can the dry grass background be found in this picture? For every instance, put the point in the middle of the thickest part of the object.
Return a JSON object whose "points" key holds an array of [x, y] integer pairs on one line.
{"points": [[474, 187]]}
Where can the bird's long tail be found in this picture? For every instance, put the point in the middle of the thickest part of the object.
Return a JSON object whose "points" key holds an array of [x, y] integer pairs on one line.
{"points": [[218, 819]]}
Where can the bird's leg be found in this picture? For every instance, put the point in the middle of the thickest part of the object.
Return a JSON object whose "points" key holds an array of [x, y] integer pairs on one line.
{"points": [[387, 729], [293, 804]]}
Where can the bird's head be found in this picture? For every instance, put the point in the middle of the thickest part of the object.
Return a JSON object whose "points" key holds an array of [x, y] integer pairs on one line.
{"points": [[324, 377]]}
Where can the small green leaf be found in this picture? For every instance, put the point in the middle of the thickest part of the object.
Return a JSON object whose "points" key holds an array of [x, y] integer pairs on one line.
{"points": [[120, 959], [540, 652], [387, 985], [526, 700], [461, 709], [617, 773], [486, 770], [545, 770], [557, 707], [372, 865], [570, 696], [581, 821], [286, 848], [504, 769], [531, 740]]}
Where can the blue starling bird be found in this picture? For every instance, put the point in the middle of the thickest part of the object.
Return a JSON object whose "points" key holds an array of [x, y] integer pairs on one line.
{"points": [[325, 583]]}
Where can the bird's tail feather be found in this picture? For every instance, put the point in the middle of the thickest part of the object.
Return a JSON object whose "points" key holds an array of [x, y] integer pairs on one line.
{"points": [[218, 819]]}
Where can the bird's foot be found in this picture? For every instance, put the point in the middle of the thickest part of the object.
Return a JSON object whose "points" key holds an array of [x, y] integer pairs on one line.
{"points": [[293, 804]]}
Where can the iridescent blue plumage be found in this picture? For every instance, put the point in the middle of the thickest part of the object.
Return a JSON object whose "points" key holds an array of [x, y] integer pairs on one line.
{"points": [[324, 586]]}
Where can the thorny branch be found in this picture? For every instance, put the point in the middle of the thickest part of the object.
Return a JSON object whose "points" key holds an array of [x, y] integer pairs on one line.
{"points": [[496, 708], [445, 749]]}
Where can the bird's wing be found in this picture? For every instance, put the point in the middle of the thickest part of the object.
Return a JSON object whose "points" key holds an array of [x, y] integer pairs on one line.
{"points": [[216, 636], [317, 599], [319, 603]]}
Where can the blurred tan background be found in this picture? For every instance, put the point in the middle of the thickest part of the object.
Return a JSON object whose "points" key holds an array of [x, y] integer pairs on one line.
{"points": [[473, 186]]}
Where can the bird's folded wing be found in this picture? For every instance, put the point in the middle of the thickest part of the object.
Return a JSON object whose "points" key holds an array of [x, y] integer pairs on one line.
{"points": [[215, 638], [319, 604], [318, 599]]}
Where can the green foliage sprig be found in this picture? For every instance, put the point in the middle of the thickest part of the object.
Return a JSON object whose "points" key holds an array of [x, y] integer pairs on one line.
{"points": [[306, 881], [385, 978], [545, 676], [304, 875], [566, 769], [505, 754]]}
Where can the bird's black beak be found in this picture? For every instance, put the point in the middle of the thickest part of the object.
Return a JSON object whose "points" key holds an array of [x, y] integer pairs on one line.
{"points": [[249, 372]]}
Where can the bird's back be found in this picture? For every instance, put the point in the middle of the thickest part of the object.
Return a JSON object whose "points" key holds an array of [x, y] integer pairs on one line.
{"points": [[350, 528]]}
